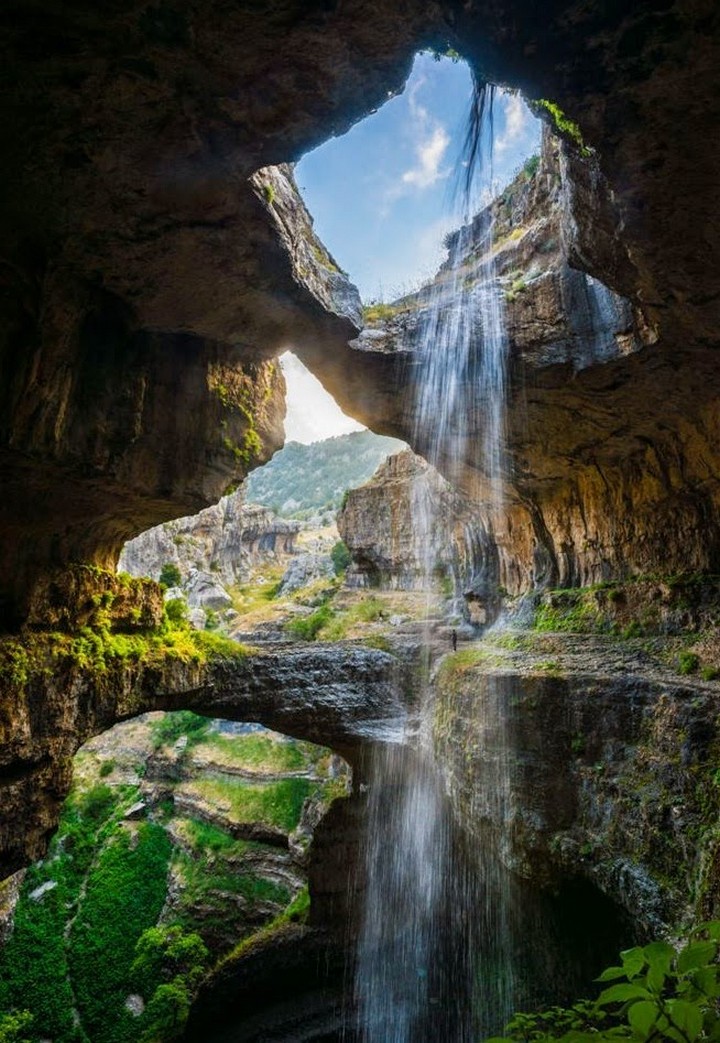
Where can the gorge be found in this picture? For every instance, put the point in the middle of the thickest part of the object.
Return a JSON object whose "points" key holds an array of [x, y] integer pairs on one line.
{"points": [[158, 258]]}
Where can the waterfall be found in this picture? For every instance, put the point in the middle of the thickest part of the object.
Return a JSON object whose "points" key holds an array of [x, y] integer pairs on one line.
{"points": [[433, 960]]}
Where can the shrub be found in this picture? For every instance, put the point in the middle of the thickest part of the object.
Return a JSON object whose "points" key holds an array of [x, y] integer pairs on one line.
{"points": [[170, 575], [687, 662], [14, 1027], [657, 994], [308, 627], [176, 610], [107, 768], [341, 557]]}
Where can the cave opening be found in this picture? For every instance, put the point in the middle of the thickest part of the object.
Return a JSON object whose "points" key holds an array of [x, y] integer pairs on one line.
{"points": [[183, 838], [555, 559]]}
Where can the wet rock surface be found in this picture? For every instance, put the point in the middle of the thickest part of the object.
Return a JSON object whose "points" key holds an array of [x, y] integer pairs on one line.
{"points": [[591, 759]]}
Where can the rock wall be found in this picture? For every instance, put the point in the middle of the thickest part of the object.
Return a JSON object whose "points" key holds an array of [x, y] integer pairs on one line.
{"points": [[408, 529], [211, 551], [149, 276], [588, 765], [57, 691]]}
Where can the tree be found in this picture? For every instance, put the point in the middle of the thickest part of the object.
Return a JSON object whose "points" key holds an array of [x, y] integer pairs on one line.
{"points": [[170, 575]]}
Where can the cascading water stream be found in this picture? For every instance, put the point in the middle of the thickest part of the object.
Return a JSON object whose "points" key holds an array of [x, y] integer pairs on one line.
{"points": [[433, 959]]}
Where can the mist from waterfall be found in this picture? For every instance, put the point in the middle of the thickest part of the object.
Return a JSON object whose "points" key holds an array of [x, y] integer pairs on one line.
{"points": [[433, 960]]}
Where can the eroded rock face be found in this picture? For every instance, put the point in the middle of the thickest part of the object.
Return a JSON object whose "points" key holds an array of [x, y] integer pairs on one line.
{"points": [[323, 694], [226, 539], [148, 279], [408, 529], [589, 765]]}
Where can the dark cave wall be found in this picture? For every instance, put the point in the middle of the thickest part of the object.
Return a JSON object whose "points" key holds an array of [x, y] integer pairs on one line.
{"points": [[131, 233]]}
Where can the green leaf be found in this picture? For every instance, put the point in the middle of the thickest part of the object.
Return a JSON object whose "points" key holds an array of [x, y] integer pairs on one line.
{"points": [[698, 954], [642, 1016], [659, 954], [655, 979], [711, 929], [612, 974], [621, 993], [706, 981], [686, 1016], [633, 961]]}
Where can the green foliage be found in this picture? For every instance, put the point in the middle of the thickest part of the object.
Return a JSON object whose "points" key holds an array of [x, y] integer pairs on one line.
{"points": [[688, 662], [125, 892], [34, 969], [530, 167], [570, 611], [307, 628], [167, 730], [564, 127], [14, 1027], [379, 311], [269, 193], [163, 953], [166, 1013], [340, 557], [657, 993], [261, 751], [176, 610], [170, 575], [96, 804], [278, 803], [107, 768], [305, 479]]}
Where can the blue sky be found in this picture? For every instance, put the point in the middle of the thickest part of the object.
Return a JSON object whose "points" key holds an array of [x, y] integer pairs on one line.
{"points": [[381, 195]]}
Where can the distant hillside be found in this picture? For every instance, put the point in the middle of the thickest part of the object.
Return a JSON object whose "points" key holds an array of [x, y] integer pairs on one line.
{"points": [[305, 479]]}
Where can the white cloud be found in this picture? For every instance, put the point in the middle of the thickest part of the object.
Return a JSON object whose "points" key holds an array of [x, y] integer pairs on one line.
{"points": [[312, 414], [430, 141], [430, 153], [517, 121]]}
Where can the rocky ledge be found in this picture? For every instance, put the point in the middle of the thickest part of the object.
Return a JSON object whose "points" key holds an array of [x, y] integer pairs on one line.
{"points": [[587, 757]]}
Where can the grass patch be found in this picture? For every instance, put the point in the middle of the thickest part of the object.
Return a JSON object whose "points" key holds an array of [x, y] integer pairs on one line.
{"points": [[262, 751], [173, 725], [125, 893], [202, 881], [277, 803], [307, 628]]}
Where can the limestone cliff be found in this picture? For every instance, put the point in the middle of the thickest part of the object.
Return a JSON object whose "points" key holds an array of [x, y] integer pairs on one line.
{"points": [[210, 551], [586, 757], [108, 662], [148, 276], [408, 529]]}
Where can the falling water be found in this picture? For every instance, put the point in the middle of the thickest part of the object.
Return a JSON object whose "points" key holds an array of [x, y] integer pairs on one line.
{"points": [[433, 958], [462, 347]]}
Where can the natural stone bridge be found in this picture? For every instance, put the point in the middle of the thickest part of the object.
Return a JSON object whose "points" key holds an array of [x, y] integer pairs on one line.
{"points": [[341, 696]]}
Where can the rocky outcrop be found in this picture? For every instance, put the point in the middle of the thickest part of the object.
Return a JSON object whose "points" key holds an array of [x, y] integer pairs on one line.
{"points": [[227, 539], [54, 701], [210, 552], [134, 331], [408, 529], [580, 758]]}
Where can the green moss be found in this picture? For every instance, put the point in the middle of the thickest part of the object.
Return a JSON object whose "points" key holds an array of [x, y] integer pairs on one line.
{"points": [[277, 803], [564, 126], [100, 650]]}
